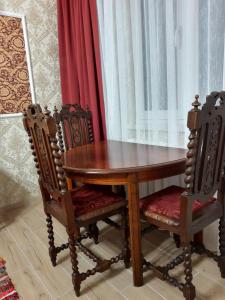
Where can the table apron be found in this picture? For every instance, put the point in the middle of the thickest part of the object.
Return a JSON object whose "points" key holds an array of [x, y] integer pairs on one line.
{"points": [[161, 172], [123, 178], [102, 179]]}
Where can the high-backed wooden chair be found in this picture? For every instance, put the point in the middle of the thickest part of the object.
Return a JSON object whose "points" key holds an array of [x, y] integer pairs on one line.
{"points": [[75, 208], [76, 124], [186, 211], [75, 128]]}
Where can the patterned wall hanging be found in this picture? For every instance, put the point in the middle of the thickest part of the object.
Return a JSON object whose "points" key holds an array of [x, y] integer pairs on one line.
{"points": [[16, 83]]}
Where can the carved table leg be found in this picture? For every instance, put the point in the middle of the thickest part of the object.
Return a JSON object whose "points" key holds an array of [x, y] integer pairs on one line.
{"points": [[126, 248], [76, 279], [198, 238], [189, 289], [52, 248], [135, 229], [221, 261]]}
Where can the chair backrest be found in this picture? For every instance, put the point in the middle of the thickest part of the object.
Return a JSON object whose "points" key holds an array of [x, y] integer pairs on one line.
{"points": [[76, 125], [41, 129], [205, 157]]}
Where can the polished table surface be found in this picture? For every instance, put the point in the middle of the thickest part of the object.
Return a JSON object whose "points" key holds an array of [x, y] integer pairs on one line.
{"points": [[115, 156], [122, 163]]}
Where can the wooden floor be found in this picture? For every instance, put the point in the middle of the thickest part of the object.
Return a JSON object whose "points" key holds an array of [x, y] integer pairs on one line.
{"points": [[23, 244]]}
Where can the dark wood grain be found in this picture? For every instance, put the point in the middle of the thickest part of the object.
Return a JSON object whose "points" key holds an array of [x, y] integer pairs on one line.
{"points": [[109, 157], [60, 202], [135, 227], [116, 163], [76, 124], [75, 128], [204, 176]]}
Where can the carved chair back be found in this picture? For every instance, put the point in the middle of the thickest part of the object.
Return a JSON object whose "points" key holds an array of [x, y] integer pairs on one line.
{"points": [[206, 147], [41, 129], [76, 125]]}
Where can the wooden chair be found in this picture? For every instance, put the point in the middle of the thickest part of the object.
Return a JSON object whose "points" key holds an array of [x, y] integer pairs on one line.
{"points": [[76, 124], [75, 128], [75, 208], [186, 211]]}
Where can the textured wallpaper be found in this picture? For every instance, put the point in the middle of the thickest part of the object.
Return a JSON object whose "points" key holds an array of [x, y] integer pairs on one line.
{"points": [[18, 180]]}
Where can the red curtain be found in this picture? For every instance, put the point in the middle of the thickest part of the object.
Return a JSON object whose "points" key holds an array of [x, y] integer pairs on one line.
{"points": [[79, 57]]}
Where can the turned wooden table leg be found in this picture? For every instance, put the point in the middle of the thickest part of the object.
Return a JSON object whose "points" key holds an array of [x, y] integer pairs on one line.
{"points": [[198, 237], [135, 229]]}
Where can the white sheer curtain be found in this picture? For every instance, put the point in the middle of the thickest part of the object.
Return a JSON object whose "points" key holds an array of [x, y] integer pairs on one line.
{"points": [[156, 55]]}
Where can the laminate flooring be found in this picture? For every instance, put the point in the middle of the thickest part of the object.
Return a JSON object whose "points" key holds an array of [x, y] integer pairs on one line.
{"points": [[24, 246]]}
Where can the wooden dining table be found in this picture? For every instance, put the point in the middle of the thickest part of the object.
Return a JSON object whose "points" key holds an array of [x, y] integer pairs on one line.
{"points": [[123, 163]]}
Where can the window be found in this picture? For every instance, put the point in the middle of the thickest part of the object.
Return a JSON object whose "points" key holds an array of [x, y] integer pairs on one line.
{"points": [[156, 55]]}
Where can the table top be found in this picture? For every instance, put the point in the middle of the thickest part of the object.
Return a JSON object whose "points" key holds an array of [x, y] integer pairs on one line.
{"points": [[117, 157]]}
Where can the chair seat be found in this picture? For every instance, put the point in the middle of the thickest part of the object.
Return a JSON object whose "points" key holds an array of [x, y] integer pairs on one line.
{"points": [[164, 205], [92, 200]]}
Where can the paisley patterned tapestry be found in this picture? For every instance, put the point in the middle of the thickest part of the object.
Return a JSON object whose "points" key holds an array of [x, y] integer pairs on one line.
{"points": [[15, 92]]}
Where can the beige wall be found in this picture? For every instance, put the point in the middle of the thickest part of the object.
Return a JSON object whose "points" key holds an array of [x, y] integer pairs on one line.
{"points": [[18, 180]]}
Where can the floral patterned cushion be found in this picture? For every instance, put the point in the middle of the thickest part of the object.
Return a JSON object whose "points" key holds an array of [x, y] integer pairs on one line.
{"points": [[89, 198], [165, 205]]}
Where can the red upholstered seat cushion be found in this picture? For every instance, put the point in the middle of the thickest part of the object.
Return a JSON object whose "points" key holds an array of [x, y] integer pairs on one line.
{"points": [[165, 205], [89, 198]]}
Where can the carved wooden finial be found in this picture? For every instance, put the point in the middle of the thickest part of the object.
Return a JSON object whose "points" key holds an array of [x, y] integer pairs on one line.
{"points": [[46, 111], [196, 103], [222, 98], [55, 109]]}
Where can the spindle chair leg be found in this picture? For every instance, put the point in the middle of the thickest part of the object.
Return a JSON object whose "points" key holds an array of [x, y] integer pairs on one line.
{"points": [[93, 229], [52, 248], [126, 247], [189, 289], [176, 238], [76, 279], [221, 261]]}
